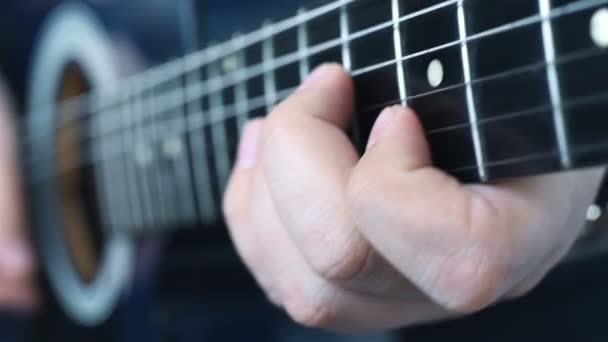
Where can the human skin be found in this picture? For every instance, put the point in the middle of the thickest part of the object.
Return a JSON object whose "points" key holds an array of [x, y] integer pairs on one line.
{"points": [[386, 240], [17, 263]]}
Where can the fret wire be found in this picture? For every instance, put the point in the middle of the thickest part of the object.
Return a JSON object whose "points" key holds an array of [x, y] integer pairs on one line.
{"points": [[471, 106], [553, 81], [107, 201], [172, 149], [179, 158], [220, 140], [166, 164], [588, 100], [153, 166], [130, 172], [260, 101], [116, 181], [303, 47], [140, 153], [269, 68], [198, 151], [287, 59], [170, 181], [119, 181], [241, 95], [396, 12], [347, 62], [344, 37]]}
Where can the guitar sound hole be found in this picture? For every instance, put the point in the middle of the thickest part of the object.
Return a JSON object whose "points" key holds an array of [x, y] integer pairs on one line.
{"points": [[76, 186]]}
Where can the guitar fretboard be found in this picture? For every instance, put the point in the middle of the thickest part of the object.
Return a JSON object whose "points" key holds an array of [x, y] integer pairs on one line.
{"points": [[503, 89]]}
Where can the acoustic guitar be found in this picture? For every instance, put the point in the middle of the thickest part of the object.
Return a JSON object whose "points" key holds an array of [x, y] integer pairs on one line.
{"points": [[129, 127]]}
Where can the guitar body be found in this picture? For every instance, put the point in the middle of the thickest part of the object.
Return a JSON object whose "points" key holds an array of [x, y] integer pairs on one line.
{"points": [[60, 49]]}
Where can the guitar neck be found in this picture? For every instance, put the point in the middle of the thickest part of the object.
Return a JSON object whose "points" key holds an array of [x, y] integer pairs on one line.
{"points": [[503, 89]]}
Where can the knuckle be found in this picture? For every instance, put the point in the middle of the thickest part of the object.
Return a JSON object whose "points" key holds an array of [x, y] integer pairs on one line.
{"points": [[344, 261], [469, 282], [310, 314], [311, 310], [335, 249]]}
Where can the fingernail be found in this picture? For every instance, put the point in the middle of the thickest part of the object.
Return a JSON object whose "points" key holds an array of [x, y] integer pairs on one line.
{"points": [[15, 257], [248, 148], [317, 75], [383, 121]]}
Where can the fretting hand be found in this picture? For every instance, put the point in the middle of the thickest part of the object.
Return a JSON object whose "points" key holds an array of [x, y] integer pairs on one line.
{"points": [[386, 240]]}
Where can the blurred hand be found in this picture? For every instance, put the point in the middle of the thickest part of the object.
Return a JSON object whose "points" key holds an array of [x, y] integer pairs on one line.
{"points": [[387, 240], [17, 289]]}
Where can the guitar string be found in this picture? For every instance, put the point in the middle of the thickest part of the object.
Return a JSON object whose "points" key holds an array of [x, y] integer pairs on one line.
{"points": [[260, 102], [214, 85], [565, 59], [173, 102], [551, 156], [167, 104], [548, 156], [282, 61], [576, 151], [229, 48], [540, 110], [165, 73]]}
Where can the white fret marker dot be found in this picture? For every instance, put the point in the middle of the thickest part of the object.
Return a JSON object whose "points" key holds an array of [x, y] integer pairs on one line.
{"points": [[434, 73], [594, 213], [172, 148], [230, 64], [599, 28]]}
